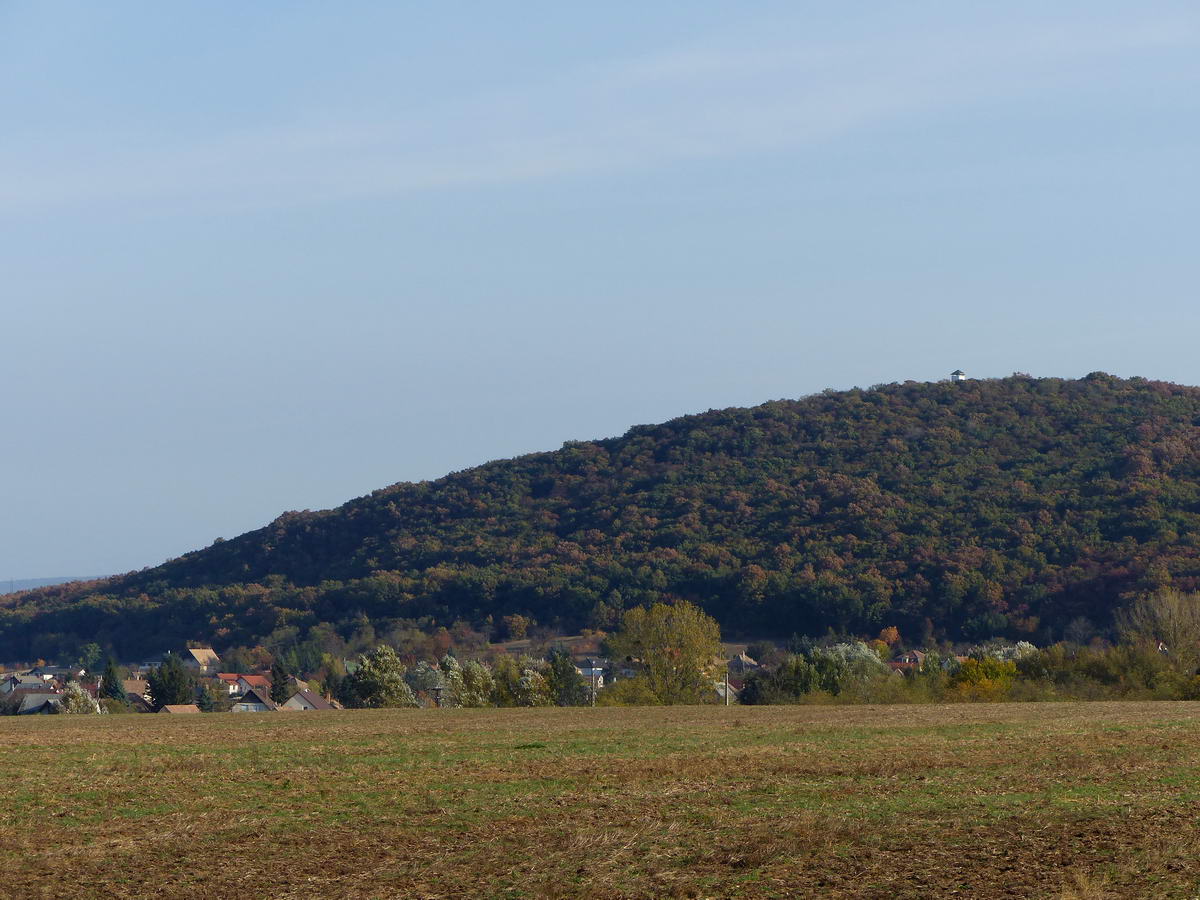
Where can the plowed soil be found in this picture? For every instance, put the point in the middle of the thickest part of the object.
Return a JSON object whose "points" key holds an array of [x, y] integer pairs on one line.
{"points": [[989, 800]]}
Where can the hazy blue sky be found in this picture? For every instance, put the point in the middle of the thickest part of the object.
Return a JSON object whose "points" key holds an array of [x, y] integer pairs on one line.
{"points": [[268, 256]]}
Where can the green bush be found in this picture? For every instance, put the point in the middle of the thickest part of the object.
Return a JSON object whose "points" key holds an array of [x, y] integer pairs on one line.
{"points": [[628, 692]]}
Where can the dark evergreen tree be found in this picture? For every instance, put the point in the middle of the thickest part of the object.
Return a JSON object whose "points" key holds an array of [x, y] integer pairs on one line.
{"points": [[279, 682], [110, 684], [567, 686], [206, 699], [171, 683]]}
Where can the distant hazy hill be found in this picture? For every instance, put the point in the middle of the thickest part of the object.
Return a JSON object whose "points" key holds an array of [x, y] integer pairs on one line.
{"points": [[1008, 506], [12, 585]]}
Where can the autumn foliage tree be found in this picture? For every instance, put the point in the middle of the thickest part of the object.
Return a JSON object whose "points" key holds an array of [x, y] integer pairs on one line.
{"points": [[983, 679]]}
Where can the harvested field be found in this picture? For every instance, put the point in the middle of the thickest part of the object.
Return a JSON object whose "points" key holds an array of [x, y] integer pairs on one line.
{"points": [[1004, 800]]}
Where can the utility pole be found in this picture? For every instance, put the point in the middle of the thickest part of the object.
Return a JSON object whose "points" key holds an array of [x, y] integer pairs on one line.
{"points": [[726, 683]]}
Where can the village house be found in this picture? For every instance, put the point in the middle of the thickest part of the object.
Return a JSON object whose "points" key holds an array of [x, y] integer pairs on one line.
{"points": [[23, 682], [138, 687], [252, 701], [295, 684], [261, 683], [36, 702], [909, 661], [592, 671], [629, 667], [200, 659], [306, 700], [722, 689], [229, 681], [137, 694], [149, 664], [61, 673], [177, 708], [742, 664]]}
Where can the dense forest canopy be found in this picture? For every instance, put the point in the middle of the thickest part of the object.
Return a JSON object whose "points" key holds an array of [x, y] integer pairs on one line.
{"points": [[952, 510]]}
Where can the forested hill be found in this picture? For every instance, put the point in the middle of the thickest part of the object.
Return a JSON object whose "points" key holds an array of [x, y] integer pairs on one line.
{"points": [[961, 510]]}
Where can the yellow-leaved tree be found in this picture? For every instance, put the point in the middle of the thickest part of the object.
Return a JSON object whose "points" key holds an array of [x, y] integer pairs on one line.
{"points": [[677, 645]]}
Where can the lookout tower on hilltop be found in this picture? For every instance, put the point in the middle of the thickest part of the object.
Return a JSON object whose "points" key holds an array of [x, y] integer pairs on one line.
{"points": [[958, 375]]}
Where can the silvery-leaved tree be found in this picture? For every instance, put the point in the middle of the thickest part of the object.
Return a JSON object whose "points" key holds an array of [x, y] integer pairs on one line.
{"points": [[477, 685], [452, 681], [1168, 620], [378, 682], [76, 701]]}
